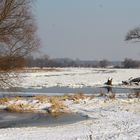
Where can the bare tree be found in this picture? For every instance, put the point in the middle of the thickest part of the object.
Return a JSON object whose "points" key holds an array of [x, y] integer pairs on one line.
{"points": [[17, 36], [130, 63], [103, 63], [133, 34]]}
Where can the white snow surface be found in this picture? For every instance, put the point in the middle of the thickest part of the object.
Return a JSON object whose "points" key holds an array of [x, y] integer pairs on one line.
{"points": [[117, 119], [76, 77]]}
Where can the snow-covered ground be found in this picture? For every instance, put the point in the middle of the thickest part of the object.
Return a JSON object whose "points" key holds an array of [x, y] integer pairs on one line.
{"points": [[76, 77], [117, 119]]}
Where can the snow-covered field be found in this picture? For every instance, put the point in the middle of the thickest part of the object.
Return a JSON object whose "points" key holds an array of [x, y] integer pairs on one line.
{"points": [[117, 119], [114, 119], [76, 77]]}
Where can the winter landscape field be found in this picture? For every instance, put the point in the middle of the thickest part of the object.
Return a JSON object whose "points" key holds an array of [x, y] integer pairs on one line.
{"points": [[110, 115], [74, 77], [69, 70]]}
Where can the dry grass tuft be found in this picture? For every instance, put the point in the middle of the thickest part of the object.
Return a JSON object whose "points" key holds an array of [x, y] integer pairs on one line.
{"points": [[18, 108], [41, 98], [77, 97], [7, 99], [4, 100], [57, 105], [21, 104]]}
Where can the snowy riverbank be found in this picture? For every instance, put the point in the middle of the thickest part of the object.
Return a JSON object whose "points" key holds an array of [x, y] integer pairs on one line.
{"points": [[110, 119]]}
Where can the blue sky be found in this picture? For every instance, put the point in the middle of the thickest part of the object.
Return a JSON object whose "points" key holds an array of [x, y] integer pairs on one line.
{"points": [[88, 29]]}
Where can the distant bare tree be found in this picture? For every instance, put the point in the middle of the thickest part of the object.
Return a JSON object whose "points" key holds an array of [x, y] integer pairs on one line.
{"points": [[103, 63], [133, 34], [17, 36], [130, 63]]}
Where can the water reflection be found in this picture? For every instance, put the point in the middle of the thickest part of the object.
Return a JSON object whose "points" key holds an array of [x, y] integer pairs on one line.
{"points": [[9, 119], [109, 89]]}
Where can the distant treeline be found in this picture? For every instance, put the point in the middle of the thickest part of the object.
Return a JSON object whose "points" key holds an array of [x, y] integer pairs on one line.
{"points": [[66, 62]]}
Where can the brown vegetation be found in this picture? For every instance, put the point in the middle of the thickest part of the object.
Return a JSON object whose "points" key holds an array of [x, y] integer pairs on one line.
{"points": [[19, 108], [47, 69], [41, 98], [11, 63], [76, 97], [17, 37], [57, 104], [4, 100]]}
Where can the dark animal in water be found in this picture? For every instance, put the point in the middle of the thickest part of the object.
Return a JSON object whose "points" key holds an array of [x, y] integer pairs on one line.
{"points": [[109, 82]]}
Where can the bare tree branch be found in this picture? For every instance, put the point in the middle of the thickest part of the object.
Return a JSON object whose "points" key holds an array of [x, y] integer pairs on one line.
{"points": [[133, 34], [17, 36]]}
